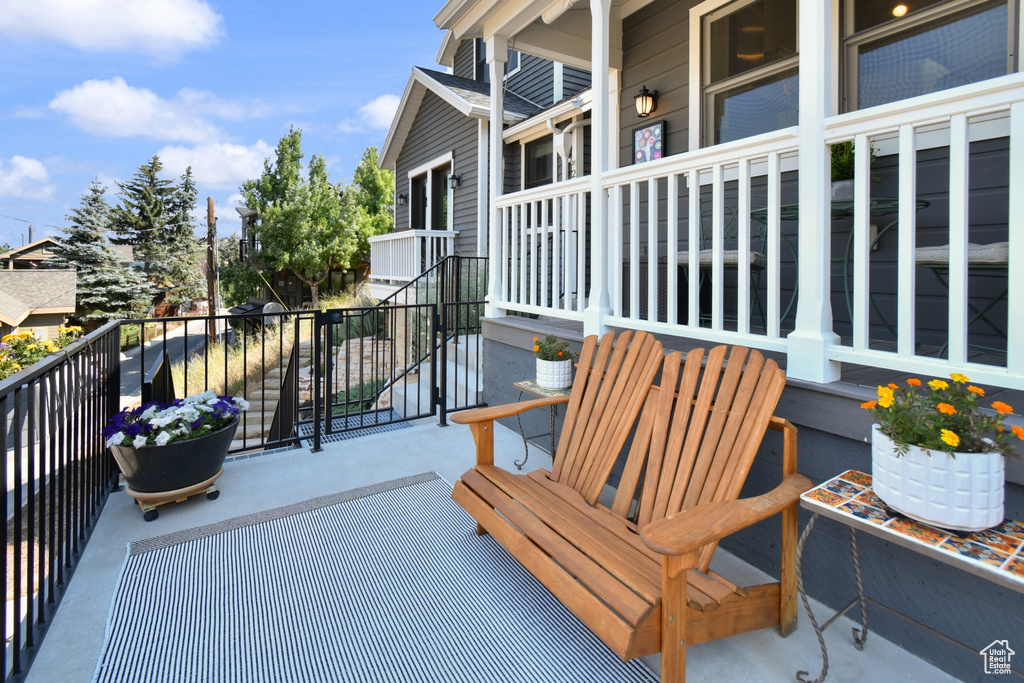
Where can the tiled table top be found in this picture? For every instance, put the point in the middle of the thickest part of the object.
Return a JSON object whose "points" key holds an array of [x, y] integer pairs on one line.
{"points": [[530, 386], [996, 554]]}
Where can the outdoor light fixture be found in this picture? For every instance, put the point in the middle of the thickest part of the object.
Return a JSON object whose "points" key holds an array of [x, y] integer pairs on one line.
{"points": [[454, 181], [646, 102], [899, 10], [402, 200]]}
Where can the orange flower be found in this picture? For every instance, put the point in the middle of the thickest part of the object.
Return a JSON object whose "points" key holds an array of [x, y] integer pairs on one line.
{"points": [[535, 339], [559, 354], [868, 405], [946, 409], [1002, 408], [1019, 431], [976, 390], [893, 387], [914, 382], [536, 348]]}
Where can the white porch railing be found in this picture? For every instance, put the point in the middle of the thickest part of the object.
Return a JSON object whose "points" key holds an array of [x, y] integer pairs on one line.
{"points": [[738, 282], [402, 256], [659, 282], [984, 283], [542, 249]]}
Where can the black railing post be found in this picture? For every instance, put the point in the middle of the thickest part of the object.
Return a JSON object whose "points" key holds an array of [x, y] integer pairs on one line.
{"points": [[318, 376], [441, 356]]}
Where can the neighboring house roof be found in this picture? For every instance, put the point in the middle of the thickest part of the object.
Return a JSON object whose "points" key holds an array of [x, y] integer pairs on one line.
{"points": [[468, 97], [25, 252], [41, 291], [12, 310], [124, 252]]}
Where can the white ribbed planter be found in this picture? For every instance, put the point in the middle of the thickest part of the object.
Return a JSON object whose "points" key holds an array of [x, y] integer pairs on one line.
{"points": [[554, 374], [964, 492]]}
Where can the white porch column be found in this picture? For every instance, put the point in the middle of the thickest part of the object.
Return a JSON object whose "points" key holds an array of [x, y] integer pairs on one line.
{"points": [[598, 303], [497, 55], [482, 238], [809, 342]]}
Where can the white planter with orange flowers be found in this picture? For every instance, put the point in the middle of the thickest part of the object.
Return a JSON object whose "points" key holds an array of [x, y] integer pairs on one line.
{"points": [[962, 491], [554, 374]]}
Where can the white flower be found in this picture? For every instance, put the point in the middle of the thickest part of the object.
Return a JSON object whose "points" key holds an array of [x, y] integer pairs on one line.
{"points": [[242, 404], [115, 439], [162, 438], [148, 413], [140, 441]]}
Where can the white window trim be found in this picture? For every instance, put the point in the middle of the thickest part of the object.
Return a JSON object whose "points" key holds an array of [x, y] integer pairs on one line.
{"points": [[428, 168], [519, 65]]}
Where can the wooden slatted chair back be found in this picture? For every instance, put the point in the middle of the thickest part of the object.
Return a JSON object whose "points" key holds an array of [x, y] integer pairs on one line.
{"points": [[612, 381], [699, 433]]}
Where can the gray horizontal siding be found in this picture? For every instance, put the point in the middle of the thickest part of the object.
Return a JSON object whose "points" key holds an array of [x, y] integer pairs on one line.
{"points": [[534, 80], [465, 60], [573, 81], [438, 128], [655, 53]]}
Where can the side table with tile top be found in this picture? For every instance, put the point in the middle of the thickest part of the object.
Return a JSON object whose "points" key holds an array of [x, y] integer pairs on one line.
{"points": [[996, 554], [531, 387]]}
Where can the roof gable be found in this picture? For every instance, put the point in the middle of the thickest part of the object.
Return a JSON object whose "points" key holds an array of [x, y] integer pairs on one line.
{"points": [[468, 97]]}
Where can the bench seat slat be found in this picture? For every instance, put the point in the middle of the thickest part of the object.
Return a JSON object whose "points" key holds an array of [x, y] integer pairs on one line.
{"points": [[631, 607]]}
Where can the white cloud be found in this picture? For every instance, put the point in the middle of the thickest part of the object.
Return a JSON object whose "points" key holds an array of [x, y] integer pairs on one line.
{"points": [[22, 111], [378, 113], [217, 165], [25, 178], [115, 109], [164, 29]]}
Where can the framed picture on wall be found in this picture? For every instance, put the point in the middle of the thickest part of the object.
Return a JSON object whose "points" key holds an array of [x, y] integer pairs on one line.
{"points": [[649, 142]]}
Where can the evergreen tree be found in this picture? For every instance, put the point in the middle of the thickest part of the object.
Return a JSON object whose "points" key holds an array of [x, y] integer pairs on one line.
{"points": [[155, 217], [105, 289]]}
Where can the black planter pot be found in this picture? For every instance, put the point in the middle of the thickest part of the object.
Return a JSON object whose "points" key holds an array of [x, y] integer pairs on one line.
{"points": [[179, 464]]}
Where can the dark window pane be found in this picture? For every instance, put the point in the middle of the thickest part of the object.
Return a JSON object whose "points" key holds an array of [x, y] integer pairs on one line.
{"points": [[538, 162], [870, 13], [756, 108], [966, 48], [757, 34]]}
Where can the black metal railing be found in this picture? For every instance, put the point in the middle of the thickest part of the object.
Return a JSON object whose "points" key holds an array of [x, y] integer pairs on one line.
{"points": [[58, 473]]}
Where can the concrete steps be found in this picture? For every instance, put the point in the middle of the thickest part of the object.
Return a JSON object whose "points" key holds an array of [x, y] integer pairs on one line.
{"points": [[464, 386], [254, 424]]}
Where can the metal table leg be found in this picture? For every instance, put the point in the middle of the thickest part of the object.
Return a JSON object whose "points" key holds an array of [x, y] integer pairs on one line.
{"points": [[860, 635], [526, 445]]}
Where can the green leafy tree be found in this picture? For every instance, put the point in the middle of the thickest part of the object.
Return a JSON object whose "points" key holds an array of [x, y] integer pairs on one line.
{"points": [[238, 279], [154, 215], [4, 247], [374, 190], [305, 225], [105, 289]]}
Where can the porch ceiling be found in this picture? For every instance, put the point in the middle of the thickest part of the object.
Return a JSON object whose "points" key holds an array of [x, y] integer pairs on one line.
{"points": [[552, 29]]}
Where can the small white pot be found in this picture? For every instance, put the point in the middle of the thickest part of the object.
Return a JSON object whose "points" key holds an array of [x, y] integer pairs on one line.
{"points": [[554, 374], [962, 491]]}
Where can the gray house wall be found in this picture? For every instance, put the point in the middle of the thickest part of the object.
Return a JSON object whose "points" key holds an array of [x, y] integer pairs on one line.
{"points": [[464, 64], [655, 53], [941, 614], [534, 80], [573, 80], [437, 129]]}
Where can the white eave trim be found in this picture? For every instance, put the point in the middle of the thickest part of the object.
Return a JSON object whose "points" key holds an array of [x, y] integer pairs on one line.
{"points": [[449, 46], [557, 113]]}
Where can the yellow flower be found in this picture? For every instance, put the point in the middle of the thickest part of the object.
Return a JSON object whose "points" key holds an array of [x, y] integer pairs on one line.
{"points": [[914, 382], [868, 405], [960, 378], [8, 338], [976, 390], [885, 397], [950, 438], [1019, 431], [1002, 408], [946, 409], [937, 384]]}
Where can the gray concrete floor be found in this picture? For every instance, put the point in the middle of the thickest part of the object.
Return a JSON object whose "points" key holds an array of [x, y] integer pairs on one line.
{"points": [[72, 645]]}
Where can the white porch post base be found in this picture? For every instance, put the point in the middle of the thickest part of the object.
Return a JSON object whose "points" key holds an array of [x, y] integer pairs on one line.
{"points": [[594, 320], [807, 357]]}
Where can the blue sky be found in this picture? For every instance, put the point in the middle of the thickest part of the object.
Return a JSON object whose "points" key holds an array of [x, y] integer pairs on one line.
{"points": [[94, 88]]}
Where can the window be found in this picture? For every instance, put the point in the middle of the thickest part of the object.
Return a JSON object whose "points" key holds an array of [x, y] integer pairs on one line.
{"points": [[749, 69], [482, 73], [539, 162], [922, 46]]}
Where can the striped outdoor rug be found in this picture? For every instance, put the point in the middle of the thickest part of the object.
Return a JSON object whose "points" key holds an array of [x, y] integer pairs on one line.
{"points": [[389, 583]]}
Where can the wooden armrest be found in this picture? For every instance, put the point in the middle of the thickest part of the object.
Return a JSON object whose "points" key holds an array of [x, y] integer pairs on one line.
{"points": [[491, 413], [692, 529]]}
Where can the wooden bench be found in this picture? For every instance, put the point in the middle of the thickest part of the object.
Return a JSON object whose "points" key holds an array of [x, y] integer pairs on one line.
{"points": [[634, 568]]}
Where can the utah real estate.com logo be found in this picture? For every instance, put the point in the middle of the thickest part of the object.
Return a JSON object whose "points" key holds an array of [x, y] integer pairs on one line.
{"points": [[997, 657]]}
